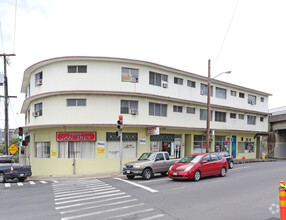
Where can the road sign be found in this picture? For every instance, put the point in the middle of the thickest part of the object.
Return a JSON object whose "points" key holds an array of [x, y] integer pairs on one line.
{"points": [[13, 149]]}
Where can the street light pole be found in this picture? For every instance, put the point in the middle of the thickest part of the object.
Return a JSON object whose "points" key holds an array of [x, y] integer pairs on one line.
{"points": [[208, 104], [208, 108]]}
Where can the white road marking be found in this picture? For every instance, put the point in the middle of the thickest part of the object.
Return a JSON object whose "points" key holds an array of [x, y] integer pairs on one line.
{"points": [[44, 182], [94, 202], [152, 181], [7, 185], [92, 194], [238, 168], [55, 181], [32, 182], [77, 187], [97, 206], [138, 185], [81, 191], [89, 198], [131, 213], [100, 212], [153, 217], [70, 195], [20, 184]]}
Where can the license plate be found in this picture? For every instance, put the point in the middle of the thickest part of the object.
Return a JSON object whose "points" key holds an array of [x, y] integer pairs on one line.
{"points": [[127, 171], [175, 174], [21, 174]]}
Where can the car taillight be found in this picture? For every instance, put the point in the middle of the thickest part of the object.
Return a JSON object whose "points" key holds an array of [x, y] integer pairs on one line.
{"points": [[231, 156], [11, 169]]}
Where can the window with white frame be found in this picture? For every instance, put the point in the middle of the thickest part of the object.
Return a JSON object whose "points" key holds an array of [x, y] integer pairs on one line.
{"points": [[220, 93], [177, 108], [178, 81], [39, 79], [232, 93], [191, 84], [232, 115], [191, 110], [77, 69], [251, 99], [129, 75], [204, 89], [220, 116], [156, 79], [261, 99], [128, 106], [38, 109], [157, 109], [203, 115], [73, 149], [76, 102], [261, 119], [241, 116], [251, 120], [42, 149], [241, 95]]}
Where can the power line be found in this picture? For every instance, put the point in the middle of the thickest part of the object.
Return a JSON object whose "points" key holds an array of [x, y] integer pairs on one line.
{"points": [[226, 33]]}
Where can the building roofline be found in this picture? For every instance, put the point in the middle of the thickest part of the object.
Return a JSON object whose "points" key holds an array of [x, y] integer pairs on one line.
{"points": [[39, 64]]}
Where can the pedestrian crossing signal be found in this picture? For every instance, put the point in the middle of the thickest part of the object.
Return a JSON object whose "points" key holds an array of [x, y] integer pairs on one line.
{"points": [[24, 143]]}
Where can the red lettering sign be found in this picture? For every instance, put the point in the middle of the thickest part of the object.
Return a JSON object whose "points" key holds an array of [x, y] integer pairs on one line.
{"points": [[76, 136]]}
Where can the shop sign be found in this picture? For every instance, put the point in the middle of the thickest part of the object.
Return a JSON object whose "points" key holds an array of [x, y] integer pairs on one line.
{"points": [[153, 131], [142, 141], [76, 136]]}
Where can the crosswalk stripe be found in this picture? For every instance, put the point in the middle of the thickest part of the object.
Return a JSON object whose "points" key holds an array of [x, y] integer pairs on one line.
{"points": [[87, 191], [32, 182], [97, 206], [80, 190], [153, 217], [44, 182], [7, 185], [93, 202], [131, 213], [73, 188], [55, 181], [89, 198], [101, 212], [20, 184]]}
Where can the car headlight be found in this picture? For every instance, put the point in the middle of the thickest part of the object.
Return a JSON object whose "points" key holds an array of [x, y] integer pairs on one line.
{"points": [[124, 167], [137, 166], [188, 168], [170, 167]]}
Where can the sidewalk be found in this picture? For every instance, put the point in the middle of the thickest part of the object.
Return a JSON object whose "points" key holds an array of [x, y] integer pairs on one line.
{"points": [[239, 161]]}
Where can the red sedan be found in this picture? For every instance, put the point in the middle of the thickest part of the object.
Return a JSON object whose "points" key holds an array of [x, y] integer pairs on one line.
{"points": [[195, 166]]}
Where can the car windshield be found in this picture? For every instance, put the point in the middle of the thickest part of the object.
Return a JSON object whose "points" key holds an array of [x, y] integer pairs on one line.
{"points": [[147, 156], [191, 159]]}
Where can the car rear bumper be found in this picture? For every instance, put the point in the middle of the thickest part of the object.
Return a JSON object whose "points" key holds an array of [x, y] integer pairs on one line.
{"points": [[17, 175]]}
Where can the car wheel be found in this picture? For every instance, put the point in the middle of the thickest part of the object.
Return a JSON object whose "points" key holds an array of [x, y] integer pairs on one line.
{"points": [[197, 175], [223, 172], [131, 177], [21, 179], [164, 173], [231, 165], [2, 178], [147, 174]]}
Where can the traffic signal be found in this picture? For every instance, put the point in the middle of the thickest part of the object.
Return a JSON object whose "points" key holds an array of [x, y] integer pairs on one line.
{"points": [[24, 143], [20, 133], [120, 122]]}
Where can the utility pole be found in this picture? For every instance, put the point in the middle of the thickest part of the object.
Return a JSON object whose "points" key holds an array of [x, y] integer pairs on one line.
{"points": [[208, 108], [6, 101]]}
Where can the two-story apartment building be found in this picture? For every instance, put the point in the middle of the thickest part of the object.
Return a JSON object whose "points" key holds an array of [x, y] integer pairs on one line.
{"points": [[72, 106]]}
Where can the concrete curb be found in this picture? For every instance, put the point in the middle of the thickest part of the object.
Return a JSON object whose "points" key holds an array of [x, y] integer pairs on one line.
{"points": [[240, 161]]}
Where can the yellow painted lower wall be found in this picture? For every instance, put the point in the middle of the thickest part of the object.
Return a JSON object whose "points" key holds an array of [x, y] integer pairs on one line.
{"points": [[100, 164]]}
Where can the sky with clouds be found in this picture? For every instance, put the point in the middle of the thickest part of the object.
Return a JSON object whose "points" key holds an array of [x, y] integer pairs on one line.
{"points": [[244, 36]]}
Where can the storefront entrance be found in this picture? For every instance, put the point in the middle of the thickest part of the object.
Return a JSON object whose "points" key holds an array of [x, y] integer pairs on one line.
{"points": [[167, 142]]}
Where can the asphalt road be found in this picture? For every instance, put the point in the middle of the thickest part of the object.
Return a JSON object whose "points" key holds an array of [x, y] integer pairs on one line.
{"points": [[249, 191]]}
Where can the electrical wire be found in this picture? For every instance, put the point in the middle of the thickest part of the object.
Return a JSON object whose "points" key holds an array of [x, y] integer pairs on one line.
{"points": [[13, 113], [15, 21], [226, 33]]}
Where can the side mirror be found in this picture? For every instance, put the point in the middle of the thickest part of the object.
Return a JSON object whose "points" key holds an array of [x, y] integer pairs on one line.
{"points": [[205, 161]]}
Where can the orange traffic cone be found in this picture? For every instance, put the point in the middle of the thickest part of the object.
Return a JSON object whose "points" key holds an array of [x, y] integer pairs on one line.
{"points": [[282, 198]]}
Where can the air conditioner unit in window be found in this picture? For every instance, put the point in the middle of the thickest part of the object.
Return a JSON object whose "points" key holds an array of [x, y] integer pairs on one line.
{"points": [[252, 102], [36, 114], [133, 111], [39, 82], [202, 92], [164, 84]]}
